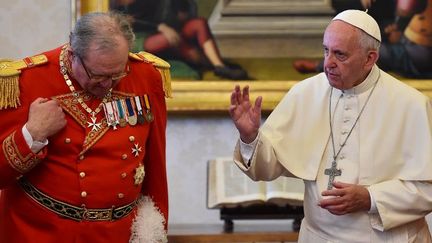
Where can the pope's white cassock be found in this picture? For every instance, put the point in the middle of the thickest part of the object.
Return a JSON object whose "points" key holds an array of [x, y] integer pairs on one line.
{"points": [[388, 151]]}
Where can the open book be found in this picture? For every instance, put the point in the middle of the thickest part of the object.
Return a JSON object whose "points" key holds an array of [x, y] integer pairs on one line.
{"points": [[228, 186]]}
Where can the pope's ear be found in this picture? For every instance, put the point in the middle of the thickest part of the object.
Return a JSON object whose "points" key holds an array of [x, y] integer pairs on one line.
{"points": [[372, 58]]}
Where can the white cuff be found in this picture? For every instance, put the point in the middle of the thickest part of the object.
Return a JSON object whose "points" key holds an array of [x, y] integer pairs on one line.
{"points": [[35, 146], [373, 207], [374, 216], [247, 150]]}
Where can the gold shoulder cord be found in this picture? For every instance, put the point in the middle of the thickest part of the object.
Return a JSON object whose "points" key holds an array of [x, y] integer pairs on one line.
{"points": [[9, 79], [162, 66]]}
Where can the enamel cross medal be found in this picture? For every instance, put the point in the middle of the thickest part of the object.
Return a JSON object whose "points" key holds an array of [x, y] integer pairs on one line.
{"points": [[93, 124], [332, 172]]}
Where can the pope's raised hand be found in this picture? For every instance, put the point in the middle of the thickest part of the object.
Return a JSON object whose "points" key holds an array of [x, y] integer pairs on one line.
{"points": [[247, 118], [45, 119]]}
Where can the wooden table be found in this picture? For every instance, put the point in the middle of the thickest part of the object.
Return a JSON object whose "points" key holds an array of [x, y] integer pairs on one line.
{"points": [[187, 233]]}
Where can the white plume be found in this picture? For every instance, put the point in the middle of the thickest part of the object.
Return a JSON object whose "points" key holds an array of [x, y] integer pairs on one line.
{"points": [[148, 225]]}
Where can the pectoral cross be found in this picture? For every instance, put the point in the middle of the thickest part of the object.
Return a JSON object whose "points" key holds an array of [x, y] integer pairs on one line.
{"points": [[332, 172]]}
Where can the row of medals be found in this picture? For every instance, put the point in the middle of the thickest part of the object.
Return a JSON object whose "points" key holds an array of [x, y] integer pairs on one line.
{"points": [[129, 110]]}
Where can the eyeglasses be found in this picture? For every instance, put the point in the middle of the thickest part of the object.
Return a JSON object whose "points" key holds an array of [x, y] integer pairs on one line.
{"points": [[99, 78]]}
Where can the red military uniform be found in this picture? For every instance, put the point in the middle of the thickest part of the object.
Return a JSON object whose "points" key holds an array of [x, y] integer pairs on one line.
{"points": [[81, 166]]}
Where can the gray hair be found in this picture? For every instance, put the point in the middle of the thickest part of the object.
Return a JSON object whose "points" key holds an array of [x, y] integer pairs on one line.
{"points": [[367, 42], [101, 29]]}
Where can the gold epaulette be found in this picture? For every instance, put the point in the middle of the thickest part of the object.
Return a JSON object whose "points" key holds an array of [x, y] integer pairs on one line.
{"points": [[9, 77], [162, 66]]}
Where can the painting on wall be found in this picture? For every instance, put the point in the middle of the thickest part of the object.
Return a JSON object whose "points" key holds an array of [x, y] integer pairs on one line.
{"points": [[176, 31], [264, 39]]}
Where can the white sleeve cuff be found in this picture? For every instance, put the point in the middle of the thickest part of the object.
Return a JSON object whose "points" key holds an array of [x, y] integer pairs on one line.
{"points": [[35, 146], [373, 207], [247, 150], [374, 216]]}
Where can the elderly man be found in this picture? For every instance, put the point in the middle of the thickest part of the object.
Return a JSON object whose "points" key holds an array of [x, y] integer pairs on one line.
{"points": [[360, 139], [407, 46], [83, 137]]}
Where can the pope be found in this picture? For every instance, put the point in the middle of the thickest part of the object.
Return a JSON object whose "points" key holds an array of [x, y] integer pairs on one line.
{"points": [[359, 138]]}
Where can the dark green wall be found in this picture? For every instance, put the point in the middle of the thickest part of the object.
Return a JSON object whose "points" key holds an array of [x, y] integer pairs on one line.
{"points": [[205, 7]]}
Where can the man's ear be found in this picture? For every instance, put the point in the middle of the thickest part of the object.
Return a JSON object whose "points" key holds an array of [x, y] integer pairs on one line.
{"points": [[372, 58], [70, 53], [69, 50]]}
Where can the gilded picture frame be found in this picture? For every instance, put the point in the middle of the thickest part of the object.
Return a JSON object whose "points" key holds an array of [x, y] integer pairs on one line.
{"points": [[206, 97]]}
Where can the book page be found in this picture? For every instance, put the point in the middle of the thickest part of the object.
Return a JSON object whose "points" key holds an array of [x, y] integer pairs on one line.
{"points": [[285, 190], [229, 186]]}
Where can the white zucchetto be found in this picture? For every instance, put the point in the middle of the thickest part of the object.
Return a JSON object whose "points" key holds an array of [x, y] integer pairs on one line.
{"points": [[361, 20]]}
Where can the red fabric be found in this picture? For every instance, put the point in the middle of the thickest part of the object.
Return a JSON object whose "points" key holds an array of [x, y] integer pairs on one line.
{"points": [[194, 34], [196, 29], [23, 220]]}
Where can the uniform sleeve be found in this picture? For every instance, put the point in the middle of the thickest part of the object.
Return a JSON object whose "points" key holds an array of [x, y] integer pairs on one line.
{"points": [[400, 202], [16, 156], [155, 180]]}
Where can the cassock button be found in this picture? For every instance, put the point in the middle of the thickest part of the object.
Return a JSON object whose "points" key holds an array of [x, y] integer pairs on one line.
{"points": [[120, 195], [83, 194], [123, 175], [131, 138], [124, 156], [67, 140], [81, 157], [342, 157], [82, 174]]}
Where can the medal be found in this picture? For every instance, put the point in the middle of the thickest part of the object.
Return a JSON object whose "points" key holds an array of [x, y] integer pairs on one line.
{"points": [[110, 116], [140, 117], [148, 114], [94, 125], [115, 112], [125, 110], [136, 150], [132, 118], [120, 110]]}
